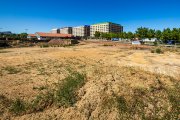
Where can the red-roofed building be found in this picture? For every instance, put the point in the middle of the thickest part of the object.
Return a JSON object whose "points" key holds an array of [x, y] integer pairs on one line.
{"points": [[31, 36], [49, 36]]}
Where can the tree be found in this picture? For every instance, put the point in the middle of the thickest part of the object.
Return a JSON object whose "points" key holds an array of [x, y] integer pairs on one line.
{"points": [[23, 35], [175, 34], [97, 34], [158, 34], [150, 33], [142, 32], [130, 35], [166, 35]]}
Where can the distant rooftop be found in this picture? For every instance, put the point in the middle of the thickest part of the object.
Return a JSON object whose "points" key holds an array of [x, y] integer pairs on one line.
{"points": [[106, 23], [53, 34]]}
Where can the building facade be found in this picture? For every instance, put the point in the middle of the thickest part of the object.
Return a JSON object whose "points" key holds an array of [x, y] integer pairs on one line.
{"points": [[81, 31], [55, 31], [107, 27], [49, 36], [66, 30]]}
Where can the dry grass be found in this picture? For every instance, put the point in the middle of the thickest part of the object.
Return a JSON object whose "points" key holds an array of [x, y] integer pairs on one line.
{"points": [[89, 82]]}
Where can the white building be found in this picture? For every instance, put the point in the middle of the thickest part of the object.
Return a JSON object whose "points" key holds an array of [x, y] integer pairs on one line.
{"points": [[66, 30], [56, 30], [106, 27], [81, 31]]}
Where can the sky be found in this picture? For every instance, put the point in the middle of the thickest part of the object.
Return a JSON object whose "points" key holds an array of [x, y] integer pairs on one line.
{"points": [[44, 15]]}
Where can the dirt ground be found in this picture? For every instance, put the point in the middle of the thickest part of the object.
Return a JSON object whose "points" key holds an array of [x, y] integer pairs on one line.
{"points": [[110, 70]]}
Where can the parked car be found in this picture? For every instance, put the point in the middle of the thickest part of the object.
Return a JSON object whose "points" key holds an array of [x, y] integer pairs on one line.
{"points": [[171, 42]]}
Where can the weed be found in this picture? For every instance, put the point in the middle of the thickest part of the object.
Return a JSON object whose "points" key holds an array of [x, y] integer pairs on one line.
{"points": [[18, 107], [40, 88], [174, 97], [159, 51], [12, 70], [65, 95], [122, 104], [4, 104], [41, 102]]}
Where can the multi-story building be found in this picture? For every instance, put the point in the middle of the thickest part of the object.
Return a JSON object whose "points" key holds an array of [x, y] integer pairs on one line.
{"points": [[81, 31], [106, 27], [55, 30], [66, 30]]}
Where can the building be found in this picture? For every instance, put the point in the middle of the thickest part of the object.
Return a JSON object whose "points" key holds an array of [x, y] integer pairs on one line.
{"points": [[106, 27], [55, 30], [81, 31], [31, 36], [49, 36], [66, 30]]}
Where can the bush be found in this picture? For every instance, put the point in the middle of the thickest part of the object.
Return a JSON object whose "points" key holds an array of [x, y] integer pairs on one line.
{"points": [[157, 50]]}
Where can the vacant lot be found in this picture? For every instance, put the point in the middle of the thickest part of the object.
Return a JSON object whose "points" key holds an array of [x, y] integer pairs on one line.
{"points": [[89, 81]]}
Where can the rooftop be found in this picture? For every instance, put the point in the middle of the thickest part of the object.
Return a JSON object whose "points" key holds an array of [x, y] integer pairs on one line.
{"points": [[106, 23], [53, 34], [32, 35]]}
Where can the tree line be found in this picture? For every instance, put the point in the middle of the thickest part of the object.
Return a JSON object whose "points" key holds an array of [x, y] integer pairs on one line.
{"points": [[143, 32], [20, 36]]}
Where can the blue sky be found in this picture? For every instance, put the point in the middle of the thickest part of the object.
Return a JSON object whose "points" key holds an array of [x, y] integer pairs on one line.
{"points": [[43, 15]]}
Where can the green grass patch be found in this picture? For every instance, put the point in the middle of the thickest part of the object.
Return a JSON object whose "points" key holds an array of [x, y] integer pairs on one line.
{"points": [[66, 92], [64, 95], [12, 70], [18, 107]]}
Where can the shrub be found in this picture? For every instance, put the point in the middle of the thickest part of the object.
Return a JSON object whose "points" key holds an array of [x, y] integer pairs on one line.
{"points": [[159, 51], [152, 51]]}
